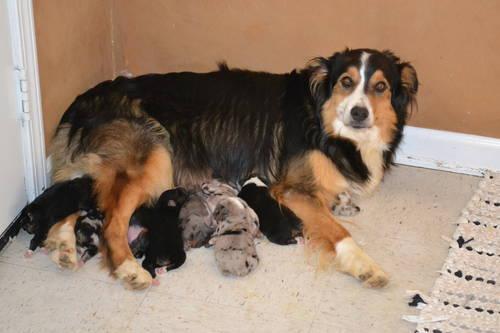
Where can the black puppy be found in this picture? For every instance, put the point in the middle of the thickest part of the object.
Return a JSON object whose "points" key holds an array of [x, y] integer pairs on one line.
{"points": [[156, 233], [88, 232], [54, 204], [278, 223]]}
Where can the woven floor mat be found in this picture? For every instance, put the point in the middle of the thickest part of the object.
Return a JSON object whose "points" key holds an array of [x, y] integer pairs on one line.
{"points": [[466, 296]]}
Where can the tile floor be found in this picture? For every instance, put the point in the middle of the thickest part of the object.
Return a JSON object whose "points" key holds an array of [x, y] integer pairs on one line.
{"points": [[400, 226]]}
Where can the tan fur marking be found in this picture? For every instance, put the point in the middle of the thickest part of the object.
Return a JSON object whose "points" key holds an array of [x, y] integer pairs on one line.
{"points": [[384, 115], [329, 181]]}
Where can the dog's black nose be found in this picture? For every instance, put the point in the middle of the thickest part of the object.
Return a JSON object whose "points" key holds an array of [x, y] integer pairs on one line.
{"points": [[359, 113]]}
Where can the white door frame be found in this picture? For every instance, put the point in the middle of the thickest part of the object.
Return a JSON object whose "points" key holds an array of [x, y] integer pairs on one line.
{"points": [[29, 97]]}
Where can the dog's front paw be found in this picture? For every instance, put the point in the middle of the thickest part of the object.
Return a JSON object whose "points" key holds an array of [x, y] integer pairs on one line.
{"points": [[352, 260], [133, 275], [374, 277]]}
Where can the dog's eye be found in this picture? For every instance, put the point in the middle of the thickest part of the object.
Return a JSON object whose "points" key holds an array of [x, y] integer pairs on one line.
{"points": [[380, 87], [346, 82]]}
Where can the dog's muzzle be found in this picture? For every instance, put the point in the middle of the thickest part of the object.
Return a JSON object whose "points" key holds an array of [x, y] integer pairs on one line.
{"points": [[359, 117]]}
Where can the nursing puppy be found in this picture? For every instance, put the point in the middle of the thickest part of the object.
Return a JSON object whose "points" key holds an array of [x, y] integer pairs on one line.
{"points": [[54, 204], [88, 229], [196, 216], [278, 223], [161, 240], [233, 240]]}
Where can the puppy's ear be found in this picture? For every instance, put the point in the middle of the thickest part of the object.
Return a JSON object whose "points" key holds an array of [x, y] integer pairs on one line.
{"points": [[318, 78], [181, 196]]}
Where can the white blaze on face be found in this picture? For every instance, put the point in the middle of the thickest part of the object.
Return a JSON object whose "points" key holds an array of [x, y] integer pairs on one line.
{"points": [[357, 97]]}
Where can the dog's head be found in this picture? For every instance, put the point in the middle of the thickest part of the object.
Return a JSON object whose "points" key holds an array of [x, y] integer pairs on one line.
{"points": [[363, 95]]}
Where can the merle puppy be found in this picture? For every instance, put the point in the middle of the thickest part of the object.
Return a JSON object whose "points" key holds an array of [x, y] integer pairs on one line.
{"points": [[54, 204], [88, 232], [233, 240], [158, 232], [196, 216], [278, 223]]}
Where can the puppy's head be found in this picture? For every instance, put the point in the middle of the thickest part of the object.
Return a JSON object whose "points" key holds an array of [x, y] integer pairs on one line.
{"points": [[30, 218], [234, 214], [363, 95], [173, 199]]}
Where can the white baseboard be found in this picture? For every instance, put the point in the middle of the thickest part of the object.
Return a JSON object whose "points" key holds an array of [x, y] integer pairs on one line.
{"points": [[449, 151]]}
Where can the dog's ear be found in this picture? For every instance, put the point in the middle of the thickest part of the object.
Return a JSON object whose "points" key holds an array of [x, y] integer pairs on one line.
{"points": [[323, 74], [406, 87], [409, 80], [318, 69], [404, 97]]}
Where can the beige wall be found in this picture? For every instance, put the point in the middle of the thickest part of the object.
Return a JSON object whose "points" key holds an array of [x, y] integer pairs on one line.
{"points": [[453, 44], [74, 52]]}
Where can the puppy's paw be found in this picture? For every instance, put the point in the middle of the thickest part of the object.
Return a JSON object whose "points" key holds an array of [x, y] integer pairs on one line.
{"points": [[133, 275], [28, 254], [160, 270], [352, 260], [155, 282], [348, 209], [345, 206]]}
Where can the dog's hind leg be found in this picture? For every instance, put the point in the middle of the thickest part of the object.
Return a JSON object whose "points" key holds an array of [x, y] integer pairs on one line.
{"points": [[154, 177], [324, 233]]}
